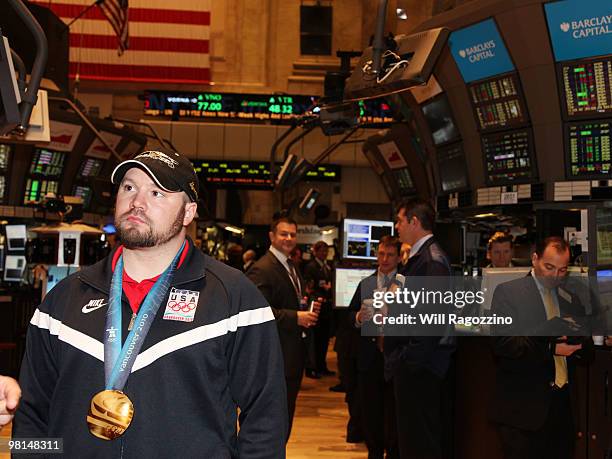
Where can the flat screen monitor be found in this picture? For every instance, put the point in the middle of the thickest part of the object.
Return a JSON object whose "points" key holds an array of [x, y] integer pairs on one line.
{"points": [[345, 284], [360, 237], [498, 103], [90, 167], [47, 163], [439, 117], [492, 277], [509, 157], [586, 87], [403, 181], [587, 149], [36, 189], [2, 188], [16, 237], [5, 151], [452, 168], [603, 225], [83, 192]]}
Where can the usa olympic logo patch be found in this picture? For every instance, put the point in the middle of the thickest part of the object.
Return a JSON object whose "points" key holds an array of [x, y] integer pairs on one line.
{"points": [[181, 305]]}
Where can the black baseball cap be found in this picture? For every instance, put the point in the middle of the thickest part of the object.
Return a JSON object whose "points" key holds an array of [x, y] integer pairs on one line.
{"points": [[171, 171]]}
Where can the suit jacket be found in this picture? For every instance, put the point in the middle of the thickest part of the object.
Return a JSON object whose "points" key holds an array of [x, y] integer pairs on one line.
{"points": [[424, 352], [366, 349], [525, 367], [273, 280]]}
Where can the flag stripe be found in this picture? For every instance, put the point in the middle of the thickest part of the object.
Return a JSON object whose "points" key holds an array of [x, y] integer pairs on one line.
{"points": [[174, 45], [104, 56], [182, 5], [151, 30], [142, 73], [64, 10]]}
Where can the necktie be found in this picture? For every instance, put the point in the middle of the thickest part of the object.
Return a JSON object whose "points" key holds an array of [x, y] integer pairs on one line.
{"points": [[295, 280], [560, 361]]}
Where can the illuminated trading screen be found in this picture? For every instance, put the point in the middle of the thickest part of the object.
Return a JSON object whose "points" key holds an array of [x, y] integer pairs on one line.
{"points": [[83, 192], [498, 103], [252, 107], [90, 167], [48, 163], [508, 156], [587, 87], [5, 151], [588, 145], [36, 189], [404, 182]]}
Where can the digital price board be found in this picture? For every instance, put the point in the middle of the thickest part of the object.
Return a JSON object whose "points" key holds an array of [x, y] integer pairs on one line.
{"points": [[36, 189], [403, 181], [587, 88], [48, 163], [83, 192], [253, 174], [509, 157], [227, 105], [587, 147], [452, 168], [249, 107], [90, 167], [5, 151], [498, 103]]}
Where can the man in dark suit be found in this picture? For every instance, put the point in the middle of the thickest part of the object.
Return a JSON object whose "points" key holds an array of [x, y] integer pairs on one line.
{"points": [[282, 285], [418, 365], [375, 394], [318, 276], [531, 399]]}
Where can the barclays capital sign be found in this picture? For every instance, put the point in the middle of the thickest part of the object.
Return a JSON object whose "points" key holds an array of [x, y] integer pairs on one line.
{"points": [[479, 51], [580, 28]]}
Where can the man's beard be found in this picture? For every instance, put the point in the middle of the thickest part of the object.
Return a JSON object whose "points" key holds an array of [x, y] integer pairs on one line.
{"points": [[132, 238]]}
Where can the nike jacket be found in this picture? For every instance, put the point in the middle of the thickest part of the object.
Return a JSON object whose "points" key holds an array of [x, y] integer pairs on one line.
{"points": [[187, 383]]}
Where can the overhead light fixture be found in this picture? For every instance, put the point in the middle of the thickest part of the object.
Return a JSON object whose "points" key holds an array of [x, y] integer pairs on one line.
{"points": [[231, 228], [401, 13], [327, 231], [485, 215]]}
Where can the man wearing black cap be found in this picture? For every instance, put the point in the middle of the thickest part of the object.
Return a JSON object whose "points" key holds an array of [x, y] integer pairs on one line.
{"points": [[152, 351]]}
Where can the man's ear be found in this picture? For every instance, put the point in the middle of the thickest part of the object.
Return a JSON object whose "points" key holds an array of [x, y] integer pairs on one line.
{"points": [[191, 209], [534, 258]]}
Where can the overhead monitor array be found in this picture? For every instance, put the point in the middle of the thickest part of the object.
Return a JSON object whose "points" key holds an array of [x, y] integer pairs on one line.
{"points": [[584, 75]]}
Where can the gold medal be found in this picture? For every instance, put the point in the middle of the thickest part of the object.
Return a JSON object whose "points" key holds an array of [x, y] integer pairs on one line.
{"points": [[110, 414]]}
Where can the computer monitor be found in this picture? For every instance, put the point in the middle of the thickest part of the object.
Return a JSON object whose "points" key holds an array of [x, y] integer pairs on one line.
{"points": [[587, 149], [345, 284], [492, 277], [509, 157], [439, 117], [360, 237]]}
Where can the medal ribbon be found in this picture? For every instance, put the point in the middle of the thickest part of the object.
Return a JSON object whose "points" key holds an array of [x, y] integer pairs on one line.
{"points": [[118, 359]]}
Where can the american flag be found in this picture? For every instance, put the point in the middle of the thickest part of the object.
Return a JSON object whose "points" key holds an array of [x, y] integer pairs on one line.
{"points": [[168, 43], [116, 11]]}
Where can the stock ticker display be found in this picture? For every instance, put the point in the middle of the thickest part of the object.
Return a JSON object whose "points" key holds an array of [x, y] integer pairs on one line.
{"points": [[253, 174], [508, 157], [5, 151], [248, 107], [588, 148], [90, 167], [587, 87], [47, 163], [498, 103], [37, 189]]}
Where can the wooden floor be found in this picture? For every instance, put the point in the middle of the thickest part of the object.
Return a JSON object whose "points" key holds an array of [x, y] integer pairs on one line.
{"points": [[319, 427]]}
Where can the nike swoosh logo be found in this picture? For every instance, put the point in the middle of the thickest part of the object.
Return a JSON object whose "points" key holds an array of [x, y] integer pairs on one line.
{"points": [[88, 308]]}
